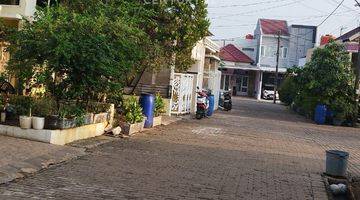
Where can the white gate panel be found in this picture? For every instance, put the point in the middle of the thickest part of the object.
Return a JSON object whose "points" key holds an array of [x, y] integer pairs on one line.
{"points": [[182, 93]]}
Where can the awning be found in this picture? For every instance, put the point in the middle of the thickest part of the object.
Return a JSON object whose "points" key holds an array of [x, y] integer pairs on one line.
{"points": [[247, 67]]}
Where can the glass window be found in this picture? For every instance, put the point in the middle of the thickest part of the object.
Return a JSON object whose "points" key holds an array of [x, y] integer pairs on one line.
{"points": [[245, 81], [284, 52], [262, 50], [9, 2], [248, 49]]}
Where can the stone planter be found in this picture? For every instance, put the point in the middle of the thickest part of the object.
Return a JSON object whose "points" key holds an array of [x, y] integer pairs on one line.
{"points": [[3, 117], [338, 122], [25, 122], [38, 123], [89, 118], [100, 117], [131, 129], [157, 121], [55, 123]]}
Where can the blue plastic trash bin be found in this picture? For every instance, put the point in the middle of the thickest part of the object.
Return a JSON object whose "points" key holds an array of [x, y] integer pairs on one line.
{"points": [[336, 163], [147, 102], [211, 105], [320, 114]]}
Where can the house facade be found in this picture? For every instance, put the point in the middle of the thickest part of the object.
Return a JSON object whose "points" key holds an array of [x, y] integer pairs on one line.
{"points": [[11, 13], [180, 87], [238, 72], [295, 40]]}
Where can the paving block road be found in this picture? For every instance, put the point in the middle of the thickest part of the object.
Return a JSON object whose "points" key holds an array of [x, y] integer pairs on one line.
{"points": [[256, 151]]}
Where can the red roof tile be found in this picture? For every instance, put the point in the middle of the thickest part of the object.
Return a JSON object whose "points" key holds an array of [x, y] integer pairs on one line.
{"points": [[272, 26], [233, 54]]}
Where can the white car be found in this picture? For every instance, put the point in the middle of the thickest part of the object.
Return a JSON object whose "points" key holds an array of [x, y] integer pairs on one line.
{"points": [[268, 92]]}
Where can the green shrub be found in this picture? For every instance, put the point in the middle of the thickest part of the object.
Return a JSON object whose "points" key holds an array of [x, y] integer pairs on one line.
{"points": [[327, 79], [22, 104], [132, 110], [71, 111], [159, 105], [288, 90], [43, 107], [96, 107]]}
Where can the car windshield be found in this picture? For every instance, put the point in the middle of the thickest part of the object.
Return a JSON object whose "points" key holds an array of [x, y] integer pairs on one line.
{"points": [[268, 88]]}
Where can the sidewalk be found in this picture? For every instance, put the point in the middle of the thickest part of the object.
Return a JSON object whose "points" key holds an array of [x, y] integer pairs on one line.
{"points": [[22, 157]]}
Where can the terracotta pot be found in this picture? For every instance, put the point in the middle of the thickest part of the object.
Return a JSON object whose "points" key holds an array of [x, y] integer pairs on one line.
{"points": [[25, 122], [38, 123]]}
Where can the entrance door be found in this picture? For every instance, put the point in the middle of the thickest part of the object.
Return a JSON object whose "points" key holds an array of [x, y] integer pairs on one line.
{"points": [[242, 84]]}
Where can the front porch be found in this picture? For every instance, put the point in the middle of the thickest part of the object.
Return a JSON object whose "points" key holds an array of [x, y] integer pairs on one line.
{"points": [[240, 82]]}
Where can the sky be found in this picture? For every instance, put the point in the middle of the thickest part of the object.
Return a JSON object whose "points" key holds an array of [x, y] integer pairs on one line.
{"points": [[236, 18]]}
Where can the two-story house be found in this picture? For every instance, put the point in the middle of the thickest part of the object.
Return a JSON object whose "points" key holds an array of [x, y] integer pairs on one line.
{"points": [[11, 13], [267, 33]]}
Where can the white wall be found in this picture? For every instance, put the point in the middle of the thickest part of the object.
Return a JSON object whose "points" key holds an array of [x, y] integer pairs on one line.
{"points": [[26, 9], [301, 40], [198, 54], [269, 60]]}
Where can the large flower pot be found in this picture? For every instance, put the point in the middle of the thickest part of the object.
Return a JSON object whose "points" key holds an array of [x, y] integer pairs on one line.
{"points": [[101, 117], [157, 121], [55, 123], [131, 129], [89, 118], [25, 122], [38, 123], [3, 117]]}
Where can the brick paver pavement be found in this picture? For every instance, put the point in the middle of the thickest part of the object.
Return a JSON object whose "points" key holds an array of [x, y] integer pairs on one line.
{"points": [[19, 157], [257, 151]]}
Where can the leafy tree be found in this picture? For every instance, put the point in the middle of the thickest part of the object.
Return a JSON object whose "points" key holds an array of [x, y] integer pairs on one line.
{"points": [[77, 55], [86, 49], [327, 79], [289, 88]]}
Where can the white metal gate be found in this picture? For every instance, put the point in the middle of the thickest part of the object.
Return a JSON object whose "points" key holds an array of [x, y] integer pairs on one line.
{"points": [[182, 93]]}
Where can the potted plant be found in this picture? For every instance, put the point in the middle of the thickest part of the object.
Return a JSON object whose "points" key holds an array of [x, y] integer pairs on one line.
{"points": [[132, 119], [99, 112], [159, 109], [23, 110], [42, 107], [68, 116]]}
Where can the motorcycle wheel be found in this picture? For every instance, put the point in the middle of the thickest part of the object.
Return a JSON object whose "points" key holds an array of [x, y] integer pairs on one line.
{"points": [[198, 116]]}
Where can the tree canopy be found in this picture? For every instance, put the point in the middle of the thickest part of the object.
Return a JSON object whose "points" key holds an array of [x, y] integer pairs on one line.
{"points": [[85, 49], [327, 79]]}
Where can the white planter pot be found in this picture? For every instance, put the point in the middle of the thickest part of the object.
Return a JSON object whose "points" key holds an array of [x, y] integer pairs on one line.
{"points": [[25, 122], [3, 117], [131, 129], [38, 123]]}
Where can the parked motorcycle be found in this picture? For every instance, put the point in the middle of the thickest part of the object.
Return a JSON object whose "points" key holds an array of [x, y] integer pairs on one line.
{"points": [[202, 104], [225, 102]]}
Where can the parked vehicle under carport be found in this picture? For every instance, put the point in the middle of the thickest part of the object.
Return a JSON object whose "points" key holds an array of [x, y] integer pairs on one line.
{"points": [[268, 92]]}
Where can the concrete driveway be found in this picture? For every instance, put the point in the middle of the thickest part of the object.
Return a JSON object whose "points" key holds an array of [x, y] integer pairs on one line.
{"points": [[257, 151]]}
